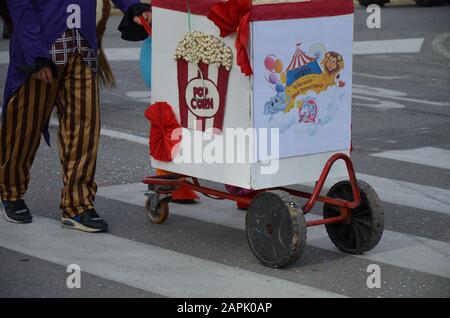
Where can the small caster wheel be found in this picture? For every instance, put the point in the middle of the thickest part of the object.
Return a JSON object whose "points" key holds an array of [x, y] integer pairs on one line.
{"points": [[275, 229], [156, 210], [366, 225]]}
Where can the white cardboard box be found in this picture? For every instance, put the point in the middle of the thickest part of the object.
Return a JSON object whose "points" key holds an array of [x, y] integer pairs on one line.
{"points": [[317, 126]]}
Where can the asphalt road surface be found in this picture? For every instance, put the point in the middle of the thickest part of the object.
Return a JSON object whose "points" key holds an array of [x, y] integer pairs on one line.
{"points": [[401, 138]]}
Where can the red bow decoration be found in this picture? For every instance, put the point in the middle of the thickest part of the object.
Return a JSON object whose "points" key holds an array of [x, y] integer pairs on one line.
{"points": [[234, 16], [163, 123]]}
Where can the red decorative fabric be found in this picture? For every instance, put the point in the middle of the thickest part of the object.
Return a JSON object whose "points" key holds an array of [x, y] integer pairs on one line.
{"points": [[301, 10], [234, 16], [267, 12], [163, 123]]}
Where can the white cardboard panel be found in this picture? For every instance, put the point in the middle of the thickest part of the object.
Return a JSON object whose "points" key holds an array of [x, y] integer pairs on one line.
{"points": [[301, 46], [238, 112], [298, 170], [164, 88], [234, 174]]}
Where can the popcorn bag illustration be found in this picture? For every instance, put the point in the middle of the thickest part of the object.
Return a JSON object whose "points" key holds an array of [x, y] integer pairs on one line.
{"points": [[203, 66]]}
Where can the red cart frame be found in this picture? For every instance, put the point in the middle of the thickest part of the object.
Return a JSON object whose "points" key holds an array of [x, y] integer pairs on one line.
{"points": [[177, 180], [355, 227]]}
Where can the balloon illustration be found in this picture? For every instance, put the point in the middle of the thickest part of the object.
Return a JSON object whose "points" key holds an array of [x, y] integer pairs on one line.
{"points": [[278, 66], [275, 73], [279, 88], [273, 79], [269, 62]]}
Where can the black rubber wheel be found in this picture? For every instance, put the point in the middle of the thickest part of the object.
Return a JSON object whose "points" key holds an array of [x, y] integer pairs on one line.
{"points": [[158, 213], [366, 3], [429, 3], [366, 226], [275, 229]]}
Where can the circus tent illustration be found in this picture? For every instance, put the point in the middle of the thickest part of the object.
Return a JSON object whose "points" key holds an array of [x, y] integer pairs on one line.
{"points": [[301, 64], [299, 59]]}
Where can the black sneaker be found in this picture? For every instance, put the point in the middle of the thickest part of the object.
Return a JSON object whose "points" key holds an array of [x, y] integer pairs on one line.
{"points": [[16, 211], [88, 221]]}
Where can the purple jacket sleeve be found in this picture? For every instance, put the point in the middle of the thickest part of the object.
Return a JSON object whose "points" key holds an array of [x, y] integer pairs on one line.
{"points": [[123, 5], [28, 30]]}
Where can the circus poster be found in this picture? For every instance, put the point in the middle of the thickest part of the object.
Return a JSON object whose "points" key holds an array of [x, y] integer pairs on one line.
{"points": [[302, 84]]}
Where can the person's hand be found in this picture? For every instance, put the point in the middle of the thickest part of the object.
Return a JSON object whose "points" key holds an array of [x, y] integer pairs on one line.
{"points": [[45, 75], [147, 16]]}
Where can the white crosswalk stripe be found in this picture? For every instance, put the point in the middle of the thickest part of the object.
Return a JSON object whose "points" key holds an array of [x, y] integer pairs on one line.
{"points": [[395, 248], [113, 134], [410, 194], [388, 46], [427, 156], [143, 266]]}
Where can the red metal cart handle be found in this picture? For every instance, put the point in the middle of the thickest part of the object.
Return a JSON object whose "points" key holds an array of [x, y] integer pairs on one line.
{"points": [[145, 25], [320, 183]]}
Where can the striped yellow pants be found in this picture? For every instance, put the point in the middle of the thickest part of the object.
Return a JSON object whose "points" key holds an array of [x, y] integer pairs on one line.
{"points": [[75, 94]]}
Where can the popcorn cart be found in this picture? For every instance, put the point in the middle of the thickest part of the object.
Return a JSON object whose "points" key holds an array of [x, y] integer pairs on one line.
{"points": [[257, 95]]}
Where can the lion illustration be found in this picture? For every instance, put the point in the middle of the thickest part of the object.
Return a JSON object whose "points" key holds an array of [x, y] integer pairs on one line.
{"points": [[332, 64]]}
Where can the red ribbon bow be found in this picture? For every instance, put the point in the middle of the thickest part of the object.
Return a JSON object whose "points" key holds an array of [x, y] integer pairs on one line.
{"points": [[234, 16], [163, 123]]}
